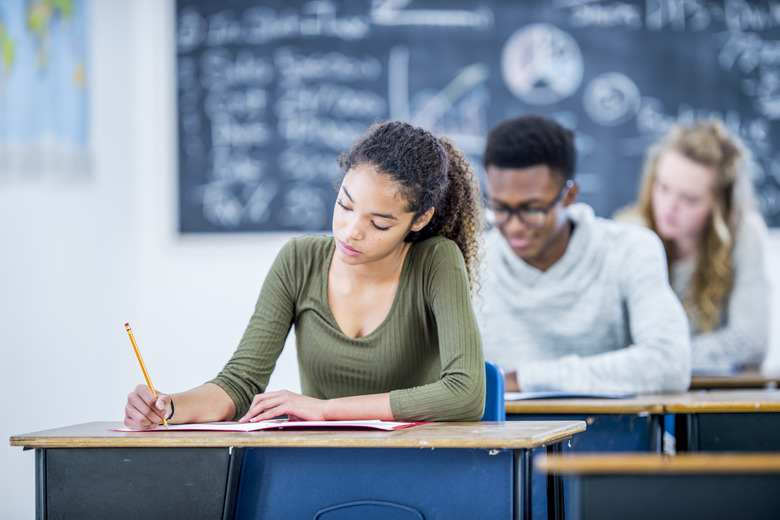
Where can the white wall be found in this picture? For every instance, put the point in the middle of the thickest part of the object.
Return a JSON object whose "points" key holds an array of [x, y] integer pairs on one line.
{"points": [[80, 260]]}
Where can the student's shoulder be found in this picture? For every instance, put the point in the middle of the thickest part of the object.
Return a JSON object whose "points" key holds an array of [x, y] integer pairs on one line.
{"points": [[752, 239], [629, 238], [312, 241], [752, 227], [628, 214], [434, 254], [307, 246], [435, 247]]}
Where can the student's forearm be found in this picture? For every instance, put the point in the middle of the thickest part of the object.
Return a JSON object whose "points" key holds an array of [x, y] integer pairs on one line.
{"points": [[205, 403], [375, 406]]}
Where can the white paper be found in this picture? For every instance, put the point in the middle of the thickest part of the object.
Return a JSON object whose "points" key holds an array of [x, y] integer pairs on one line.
{"points": [[276, 424]]}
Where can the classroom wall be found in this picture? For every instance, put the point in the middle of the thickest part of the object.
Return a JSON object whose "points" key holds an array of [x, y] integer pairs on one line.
{"points": [[80, 259]]}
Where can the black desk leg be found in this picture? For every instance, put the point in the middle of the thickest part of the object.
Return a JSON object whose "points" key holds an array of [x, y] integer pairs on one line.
{"points": [[555, 506], [686, 430], [522, 478], [231, 489], [693, 431], [656, 434], [40, 484]]}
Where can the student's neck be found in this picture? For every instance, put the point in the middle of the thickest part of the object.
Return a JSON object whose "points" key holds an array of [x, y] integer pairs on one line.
{"points": [[382, 271], [556, 249], [686, 248]]}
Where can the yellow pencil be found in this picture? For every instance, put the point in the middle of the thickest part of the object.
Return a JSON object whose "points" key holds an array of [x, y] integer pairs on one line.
{"points": [[143, 367]]}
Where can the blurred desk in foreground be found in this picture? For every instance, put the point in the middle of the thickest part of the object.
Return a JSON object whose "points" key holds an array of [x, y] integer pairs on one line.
{"points": [[88, 471], [648, 486], [726, 420]]}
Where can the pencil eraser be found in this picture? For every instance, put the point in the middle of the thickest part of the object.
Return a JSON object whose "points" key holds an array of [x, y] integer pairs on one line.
{"points": [[127, 324]]}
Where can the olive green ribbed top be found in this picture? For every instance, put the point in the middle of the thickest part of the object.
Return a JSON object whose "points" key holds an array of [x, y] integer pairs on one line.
{"points": [[427, 352]]}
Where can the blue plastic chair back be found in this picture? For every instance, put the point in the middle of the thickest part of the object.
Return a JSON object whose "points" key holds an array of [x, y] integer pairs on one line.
{"points": [[494, 393]]}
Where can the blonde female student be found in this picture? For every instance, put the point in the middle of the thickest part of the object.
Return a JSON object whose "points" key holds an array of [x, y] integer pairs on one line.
{"points": [[696, 194], [382, 311]]}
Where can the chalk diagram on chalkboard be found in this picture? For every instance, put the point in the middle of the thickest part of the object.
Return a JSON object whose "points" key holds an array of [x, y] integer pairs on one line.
{"points": [[611, 99], [541, 64], [458, 109]]}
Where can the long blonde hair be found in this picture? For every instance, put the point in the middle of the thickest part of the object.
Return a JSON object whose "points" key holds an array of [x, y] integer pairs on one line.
{"points": [[709, 144]]}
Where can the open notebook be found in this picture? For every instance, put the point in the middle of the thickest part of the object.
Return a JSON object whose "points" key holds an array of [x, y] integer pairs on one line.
{"points": [[279, 424]]}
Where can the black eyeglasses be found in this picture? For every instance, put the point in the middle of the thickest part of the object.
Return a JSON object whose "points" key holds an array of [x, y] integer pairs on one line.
{"points": [[531, 217]]}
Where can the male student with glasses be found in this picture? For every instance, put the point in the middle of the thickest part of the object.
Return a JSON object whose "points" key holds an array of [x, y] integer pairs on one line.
{"points": [[571, 302]]}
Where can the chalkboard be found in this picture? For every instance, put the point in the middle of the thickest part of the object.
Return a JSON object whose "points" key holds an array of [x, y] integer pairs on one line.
{"points": [[271, 92]]}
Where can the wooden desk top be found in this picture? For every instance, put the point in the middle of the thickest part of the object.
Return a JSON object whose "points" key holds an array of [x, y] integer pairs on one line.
{"points": [[652, 403], [716, 401], [695, 401], [746, 379], [646, 463], [510, 434]]}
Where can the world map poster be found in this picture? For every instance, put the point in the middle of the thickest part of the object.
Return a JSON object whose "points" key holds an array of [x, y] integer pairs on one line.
{"points": [[43, 89]]}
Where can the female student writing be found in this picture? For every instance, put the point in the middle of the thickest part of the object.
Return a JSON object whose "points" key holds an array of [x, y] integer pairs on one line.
{"points": [[382, 312], [697, 196]]}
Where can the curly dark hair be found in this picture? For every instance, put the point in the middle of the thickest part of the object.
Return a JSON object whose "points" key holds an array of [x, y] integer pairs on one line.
{"points": [[431, 173], [531, 140]]}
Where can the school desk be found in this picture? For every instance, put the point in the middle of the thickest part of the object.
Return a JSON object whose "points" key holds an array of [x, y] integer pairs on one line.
{"points": [[435, 470], [743, 379], [614, 424], [650, 486], [726, 420]]}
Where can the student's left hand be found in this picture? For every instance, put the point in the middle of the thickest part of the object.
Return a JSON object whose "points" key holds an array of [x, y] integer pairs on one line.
{"points": [[296, 406]]}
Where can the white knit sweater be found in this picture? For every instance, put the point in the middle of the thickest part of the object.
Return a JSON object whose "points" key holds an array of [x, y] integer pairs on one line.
{"points": [[603, 318], [741, 337]]}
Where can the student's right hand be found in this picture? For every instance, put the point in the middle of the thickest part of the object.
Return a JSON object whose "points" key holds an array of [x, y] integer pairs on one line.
{"points": [[143, 411]]}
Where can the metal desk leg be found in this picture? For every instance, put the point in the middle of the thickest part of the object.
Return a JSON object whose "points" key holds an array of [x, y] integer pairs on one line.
{"points": [[522, 479], [657, 427], [234, 474], [692, 422], [40, 484], [686, 430], [555, 505]]}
